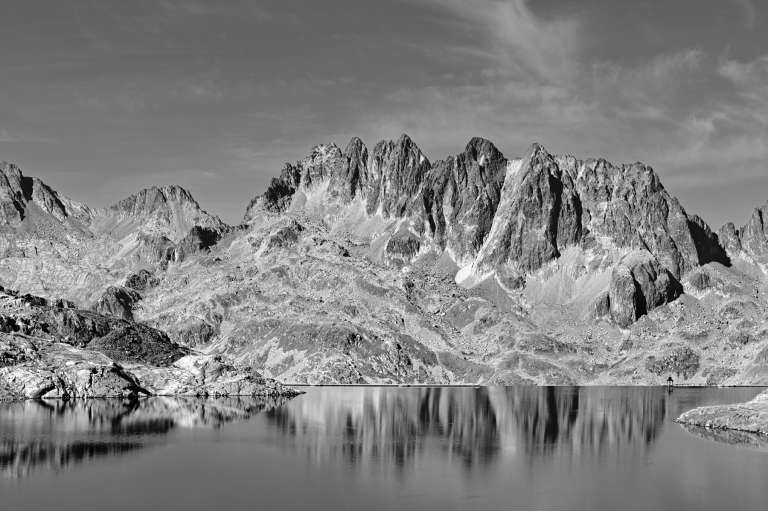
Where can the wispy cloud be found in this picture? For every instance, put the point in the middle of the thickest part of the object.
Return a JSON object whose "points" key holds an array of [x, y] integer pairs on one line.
{"points": [[518, 39]]}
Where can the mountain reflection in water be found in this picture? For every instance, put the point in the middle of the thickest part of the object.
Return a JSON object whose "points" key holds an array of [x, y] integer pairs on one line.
{"points": [[56, 434], [475, 426], [471, 428]]}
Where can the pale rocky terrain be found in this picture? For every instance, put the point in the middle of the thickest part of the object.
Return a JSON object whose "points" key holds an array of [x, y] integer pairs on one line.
{"points": [[381, 266], [749, 417]]}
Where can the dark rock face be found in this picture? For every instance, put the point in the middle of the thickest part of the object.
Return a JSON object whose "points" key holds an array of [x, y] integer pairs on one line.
{"points": [[279, 192], [754, 236], [395, 175], [401, 248], [708, 245], [18, 193], [459, 197], [347, 183], [138, 343], [751, 238], [638, 284], [552, 202], [117, 301], [519, 213], [700, 280], [539, 213], [122, 340], [387, 178], [198, 239], [141, 280], [283, 236]]}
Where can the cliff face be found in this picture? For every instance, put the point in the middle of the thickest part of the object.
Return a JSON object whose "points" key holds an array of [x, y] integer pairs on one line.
{"points": [[496, 216], [520, 212], [751, 240], [26, 199]]}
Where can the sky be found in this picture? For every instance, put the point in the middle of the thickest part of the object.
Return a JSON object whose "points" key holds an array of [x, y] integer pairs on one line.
{"points": [[102, 98]]}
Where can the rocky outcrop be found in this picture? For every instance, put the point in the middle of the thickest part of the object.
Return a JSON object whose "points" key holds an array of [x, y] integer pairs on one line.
{"points": [[28, 201], [49, 352], [120, 339], [539, 213], [278, 195], [34, 368], [205, 376], [198, 239], [751, 239], [395, 173], [459, 197], [141, 280], [751, 417], [19, 193], [138, 343], [549, 203], [638, 284], [117, 301]]}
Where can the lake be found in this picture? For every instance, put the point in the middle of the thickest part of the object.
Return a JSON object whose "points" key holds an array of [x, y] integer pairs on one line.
{"points": [[526, 448]]}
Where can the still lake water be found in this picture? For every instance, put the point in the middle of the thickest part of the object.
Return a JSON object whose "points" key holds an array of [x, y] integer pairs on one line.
{"points": [[526, 448]]}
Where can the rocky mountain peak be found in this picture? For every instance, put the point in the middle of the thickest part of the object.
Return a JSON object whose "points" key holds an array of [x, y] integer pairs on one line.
{"points": [[751, 239], [10, 170], [482, 150], [396, 170], [153, 199], [520, 213], [19, 193], [169, 211]]}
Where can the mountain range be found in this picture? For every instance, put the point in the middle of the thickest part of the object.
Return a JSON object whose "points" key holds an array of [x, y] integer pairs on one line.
{"points": [[381, 266]]}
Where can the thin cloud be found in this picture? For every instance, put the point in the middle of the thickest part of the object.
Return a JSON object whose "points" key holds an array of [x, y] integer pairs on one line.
{"points": [[519, 39]]}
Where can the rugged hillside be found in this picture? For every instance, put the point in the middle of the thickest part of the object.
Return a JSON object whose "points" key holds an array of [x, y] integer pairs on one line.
{"points": [[56, 247], [358, 266], [55, 350]]}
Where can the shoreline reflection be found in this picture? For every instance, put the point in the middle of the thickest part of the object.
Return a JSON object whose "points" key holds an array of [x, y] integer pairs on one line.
{"points": [[54, 435]]}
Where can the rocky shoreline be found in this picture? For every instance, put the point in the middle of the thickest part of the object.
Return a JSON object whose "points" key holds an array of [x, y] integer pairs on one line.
{"points": [[56, 351], [749, 417]]}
